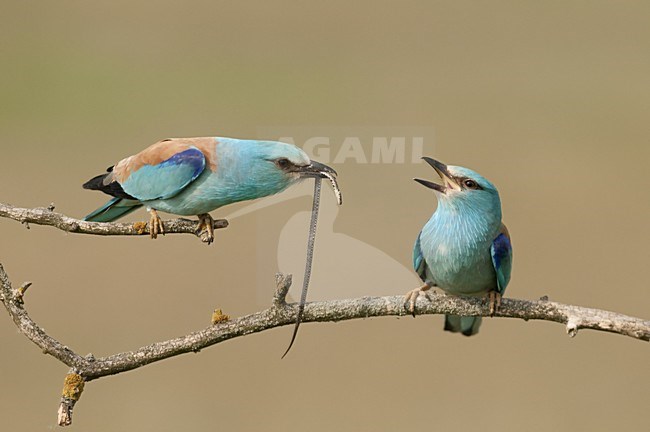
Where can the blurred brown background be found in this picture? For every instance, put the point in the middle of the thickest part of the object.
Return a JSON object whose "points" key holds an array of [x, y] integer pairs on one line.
{"points": [[549, 100]]}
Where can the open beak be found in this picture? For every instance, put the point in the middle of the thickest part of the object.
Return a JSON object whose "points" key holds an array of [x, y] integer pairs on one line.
{"points": [[317, 169], [448, 181]]}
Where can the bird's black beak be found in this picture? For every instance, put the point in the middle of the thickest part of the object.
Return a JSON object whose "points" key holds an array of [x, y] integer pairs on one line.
{"points": [[316, 169], [448, 181]]}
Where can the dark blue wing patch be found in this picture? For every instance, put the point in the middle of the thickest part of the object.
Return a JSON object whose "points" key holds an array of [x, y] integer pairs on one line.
{"points": [[501, 251], [166, 179], [419, 264]]}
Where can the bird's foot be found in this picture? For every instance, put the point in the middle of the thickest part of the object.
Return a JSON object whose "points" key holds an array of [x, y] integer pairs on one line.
{"points": [[411, 298], [155, 224], [206, 228], [494, 301]]}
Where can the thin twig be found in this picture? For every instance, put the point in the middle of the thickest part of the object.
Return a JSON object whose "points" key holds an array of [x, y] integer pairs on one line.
{"points": [[46, 216], [14, 304], [282, 285]]}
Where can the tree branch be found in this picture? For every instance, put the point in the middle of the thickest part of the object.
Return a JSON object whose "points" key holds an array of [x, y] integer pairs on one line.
{"points": [[84, 369], [47, 216], [13, 301]]}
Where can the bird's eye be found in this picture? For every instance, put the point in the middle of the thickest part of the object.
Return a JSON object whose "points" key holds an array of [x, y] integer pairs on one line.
{"points": [[470, 184], [283, 163]]}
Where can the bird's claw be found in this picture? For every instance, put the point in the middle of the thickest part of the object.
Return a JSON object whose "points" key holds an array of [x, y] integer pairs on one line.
{"points": [[206, 228], [155, 225], [494, 301], [411, 297]]}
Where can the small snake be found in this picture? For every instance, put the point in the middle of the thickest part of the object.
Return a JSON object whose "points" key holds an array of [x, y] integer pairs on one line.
{"points": [[310, 247]]}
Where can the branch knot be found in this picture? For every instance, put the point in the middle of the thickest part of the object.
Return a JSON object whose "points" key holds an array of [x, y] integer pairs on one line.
{"points": [[282, 285]]}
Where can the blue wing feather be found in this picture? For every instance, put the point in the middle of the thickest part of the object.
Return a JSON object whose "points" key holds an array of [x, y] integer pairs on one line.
{"points": [[501, 251], [419, 264], [166, 179]]}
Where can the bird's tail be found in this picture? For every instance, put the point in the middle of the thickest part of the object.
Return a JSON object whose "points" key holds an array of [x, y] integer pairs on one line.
{"points": [[460, 324], [112, 210]]}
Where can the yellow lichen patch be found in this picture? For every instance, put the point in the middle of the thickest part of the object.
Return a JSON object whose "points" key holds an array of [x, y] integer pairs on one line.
{"points": [[219, 317], [140, 227], [73, 386]]}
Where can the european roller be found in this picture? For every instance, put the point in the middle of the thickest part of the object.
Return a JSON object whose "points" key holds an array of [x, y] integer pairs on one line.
{"points": [[464, 248], [193, 176]]}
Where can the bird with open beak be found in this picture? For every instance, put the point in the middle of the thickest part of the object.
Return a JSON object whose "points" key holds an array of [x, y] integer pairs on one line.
{"points": [[193, 176], [464, 248]]}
